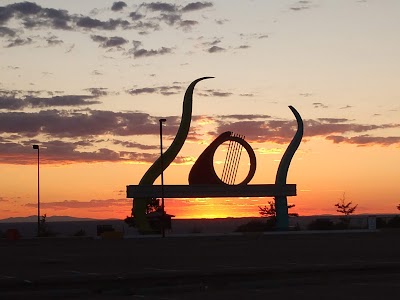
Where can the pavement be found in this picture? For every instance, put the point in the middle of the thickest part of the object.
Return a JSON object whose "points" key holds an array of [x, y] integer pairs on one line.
{"points": [[349, 265]]}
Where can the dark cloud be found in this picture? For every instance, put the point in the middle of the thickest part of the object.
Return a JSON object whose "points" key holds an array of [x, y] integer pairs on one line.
{"points": [[33, 15], [221, 21], [280, 131], [145, 26], [244, 117], [164, 90], [215, 49], [117, 6], [161, 6], [19, 42], [246, 95], [136, 145], [170, 19], [346, 107], [196, 6], [135, 16], [365, 140], [142, 91], [13, 103], [53, 41], [62, 152], [137, 53], [243, 47], [5, 31], [72, 204], [319, 105], [301, 5], [111, 24], [108, 42], [214, 93], [188, 24], [26, 8], [58, 123], [98, 92], [6, 13]]}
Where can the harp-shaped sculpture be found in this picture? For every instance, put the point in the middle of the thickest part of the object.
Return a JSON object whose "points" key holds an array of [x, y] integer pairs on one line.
{"points": [[203, 171], [203, 180]]}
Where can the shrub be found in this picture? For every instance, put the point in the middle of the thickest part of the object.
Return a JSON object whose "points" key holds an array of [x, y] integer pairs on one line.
{"points": [[80, 232], [257, 226], [394, 222], [381, 223], [321, 224]]}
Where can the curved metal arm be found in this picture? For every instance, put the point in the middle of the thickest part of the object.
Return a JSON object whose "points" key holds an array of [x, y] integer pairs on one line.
{"points": [[169, 155], [283, 168]]}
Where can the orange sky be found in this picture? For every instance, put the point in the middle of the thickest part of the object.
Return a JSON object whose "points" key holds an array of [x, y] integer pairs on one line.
{"points": [[99, 76]]}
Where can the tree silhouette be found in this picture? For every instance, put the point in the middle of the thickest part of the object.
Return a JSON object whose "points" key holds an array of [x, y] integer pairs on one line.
{"points": [[270, 210], [345, 208], [153, 204]]}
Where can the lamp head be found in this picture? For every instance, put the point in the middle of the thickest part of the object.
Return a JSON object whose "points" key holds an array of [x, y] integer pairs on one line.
{"points": [[35, 147], [163, 120]]}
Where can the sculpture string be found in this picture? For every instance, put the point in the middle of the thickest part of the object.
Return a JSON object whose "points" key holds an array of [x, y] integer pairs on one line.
{"points": [[203, 171], [203, 180]]}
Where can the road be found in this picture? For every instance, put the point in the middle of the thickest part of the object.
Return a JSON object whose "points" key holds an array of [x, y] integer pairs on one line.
{"points": [[343, 265]]}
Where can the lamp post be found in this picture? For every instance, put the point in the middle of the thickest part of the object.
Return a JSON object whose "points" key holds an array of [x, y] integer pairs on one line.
{"points": [[36, 147], [162, 180]]}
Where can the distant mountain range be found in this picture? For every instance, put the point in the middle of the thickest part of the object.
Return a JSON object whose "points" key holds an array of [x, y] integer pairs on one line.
{"points": [[50, 219]]}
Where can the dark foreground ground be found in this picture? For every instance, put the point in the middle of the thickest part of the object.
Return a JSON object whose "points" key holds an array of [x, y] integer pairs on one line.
{"points": [[289, 266]]}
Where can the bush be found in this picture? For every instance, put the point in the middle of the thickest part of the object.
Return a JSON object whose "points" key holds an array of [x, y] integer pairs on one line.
{"points": [[381, 223], [80, 232], [257, 226], [321, 224], [394, 222]]}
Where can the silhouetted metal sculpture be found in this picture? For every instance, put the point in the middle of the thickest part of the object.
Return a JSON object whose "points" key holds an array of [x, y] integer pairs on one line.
{"points": [[203, 171], [203, 180]]}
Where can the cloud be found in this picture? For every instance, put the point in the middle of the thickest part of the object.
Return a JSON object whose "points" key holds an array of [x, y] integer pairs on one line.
{"points": [[5, 31], [28, 101], [215, 49], [196, 6], [164, 90], [72, 204], [135, 16], [19, 42], [108, 42], [53, 41], [161, 6], [319, 105], [117, 6], [346, 107], [301, 5], [138, 53], [128, 144], [188, 24], [62, 152], [111, 24], [214, 93], [74, 124], [281, 132], [365, 140], [98, 92]]}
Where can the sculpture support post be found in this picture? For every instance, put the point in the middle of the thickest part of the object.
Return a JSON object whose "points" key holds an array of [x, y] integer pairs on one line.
{"points": [[162, 181], [282, 215]]}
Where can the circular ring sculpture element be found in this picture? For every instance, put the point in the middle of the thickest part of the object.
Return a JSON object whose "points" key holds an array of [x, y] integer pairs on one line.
{"points": [[203, 171]]}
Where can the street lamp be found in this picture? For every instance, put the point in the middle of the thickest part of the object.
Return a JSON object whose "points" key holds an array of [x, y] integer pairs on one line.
{"points": [[36, 147], [162, 180]]}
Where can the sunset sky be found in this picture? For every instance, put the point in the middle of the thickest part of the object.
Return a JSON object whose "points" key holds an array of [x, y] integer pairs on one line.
{"points": [[89, 80]]}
